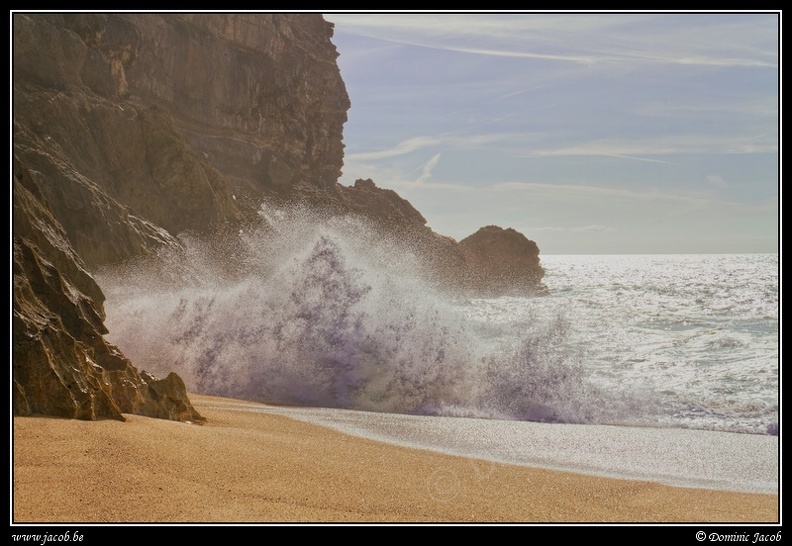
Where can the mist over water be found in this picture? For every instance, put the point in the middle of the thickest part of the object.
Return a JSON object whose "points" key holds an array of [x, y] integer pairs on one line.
{"points": [[331, 312]]}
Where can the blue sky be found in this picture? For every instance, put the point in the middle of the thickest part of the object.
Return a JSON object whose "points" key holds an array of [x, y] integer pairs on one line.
{"points": [[589, 133]]}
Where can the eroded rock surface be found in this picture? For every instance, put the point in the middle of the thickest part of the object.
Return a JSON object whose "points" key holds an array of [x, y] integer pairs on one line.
{"points": [[62, 364], [130, 129], [187, 121]]}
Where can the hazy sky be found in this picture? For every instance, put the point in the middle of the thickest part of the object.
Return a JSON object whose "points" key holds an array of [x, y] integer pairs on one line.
{"points": [[589, 133]]}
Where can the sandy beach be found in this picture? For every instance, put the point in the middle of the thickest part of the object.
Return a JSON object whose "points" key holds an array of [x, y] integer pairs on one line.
{"points": [[255, 467]]}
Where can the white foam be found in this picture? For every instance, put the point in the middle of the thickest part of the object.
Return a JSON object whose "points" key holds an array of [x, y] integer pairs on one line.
{"points": [[679, 457], [304, 309]]}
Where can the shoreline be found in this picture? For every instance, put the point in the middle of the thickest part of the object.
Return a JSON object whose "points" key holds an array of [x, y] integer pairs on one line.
{"points": [[702, 459], [265, 468]]}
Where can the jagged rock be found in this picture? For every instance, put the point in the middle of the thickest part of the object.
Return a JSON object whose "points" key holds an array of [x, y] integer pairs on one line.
{"points": [[121, 182], [130, 129], [443, 258], [502, 261], [382, 205], [61, 364], [144, 394], [491, 262], [19, 402]]}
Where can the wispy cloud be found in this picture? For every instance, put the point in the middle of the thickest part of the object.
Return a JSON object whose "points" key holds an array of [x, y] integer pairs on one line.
{"points": [[529, 144], [568, 193], [648, 160], [593, 228], [614, 198], [580, 38], [402, 148], [451, 140], [764, 109], [428, 167], [666, 145], [581, 123]]}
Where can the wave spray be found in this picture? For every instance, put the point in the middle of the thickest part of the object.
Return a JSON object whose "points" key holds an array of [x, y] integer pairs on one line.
{"points": [[331, 312]]}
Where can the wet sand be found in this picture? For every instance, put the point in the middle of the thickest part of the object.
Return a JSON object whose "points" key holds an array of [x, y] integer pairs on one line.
{"points": [[747, 463], [244, 466]]}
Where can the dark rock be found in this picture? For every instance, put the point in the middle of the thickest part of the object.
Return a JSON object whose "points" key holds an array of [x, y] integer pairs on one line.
{"points": [[184, 122], [492, 262], [130, 129], [61, 363], [502, 261]]}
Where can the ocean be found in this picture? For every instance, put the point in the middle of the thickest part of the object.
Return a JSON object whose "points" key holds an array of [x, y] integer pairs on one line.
{"points": [[694, 336], [314, 316], [309, 313]]}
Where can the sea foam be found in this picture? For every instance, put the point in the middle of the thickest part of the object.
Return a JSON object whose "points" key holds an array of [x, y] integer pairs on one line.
{"points": [[329, 311]]}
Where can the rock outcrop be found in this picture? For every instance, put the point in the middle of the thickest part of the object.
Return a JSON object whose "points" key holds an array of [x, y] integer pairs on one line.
{"points": [[131, 129], [492, 262], [382, 205], [502, 261], [61, 363], [441, 255]]}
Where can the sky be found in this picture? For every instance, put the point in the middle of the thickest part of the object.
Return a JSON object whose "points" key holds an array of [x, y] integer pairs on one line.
{"points": [[588, 132]]}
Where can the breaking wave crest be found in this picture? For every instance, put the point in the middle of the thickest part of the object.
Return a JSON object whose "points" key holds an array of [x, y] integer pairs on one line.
{"points": [[330, 312]]}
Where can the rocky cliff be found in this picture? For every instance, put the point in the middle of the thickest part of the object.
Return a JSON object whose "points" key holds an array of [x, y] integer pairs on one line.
{"points": [[61, 363], [131, 129], [128, 130], [186, 121]]}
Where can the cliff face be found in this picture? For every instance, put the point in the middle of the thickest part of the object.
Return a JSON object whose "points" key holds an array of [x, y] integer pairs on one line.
{"points": [[186, 121], [130, 129]]}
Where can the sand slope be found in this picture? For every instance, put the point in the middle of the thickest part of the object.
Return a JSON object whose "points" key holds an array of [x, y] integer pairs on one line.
{"points": [[253, 467]]}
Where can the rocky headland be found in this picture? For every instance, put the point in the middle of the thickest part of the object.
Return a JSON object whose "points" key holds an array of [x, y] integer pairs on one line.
{"points": [[131, 129]]}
